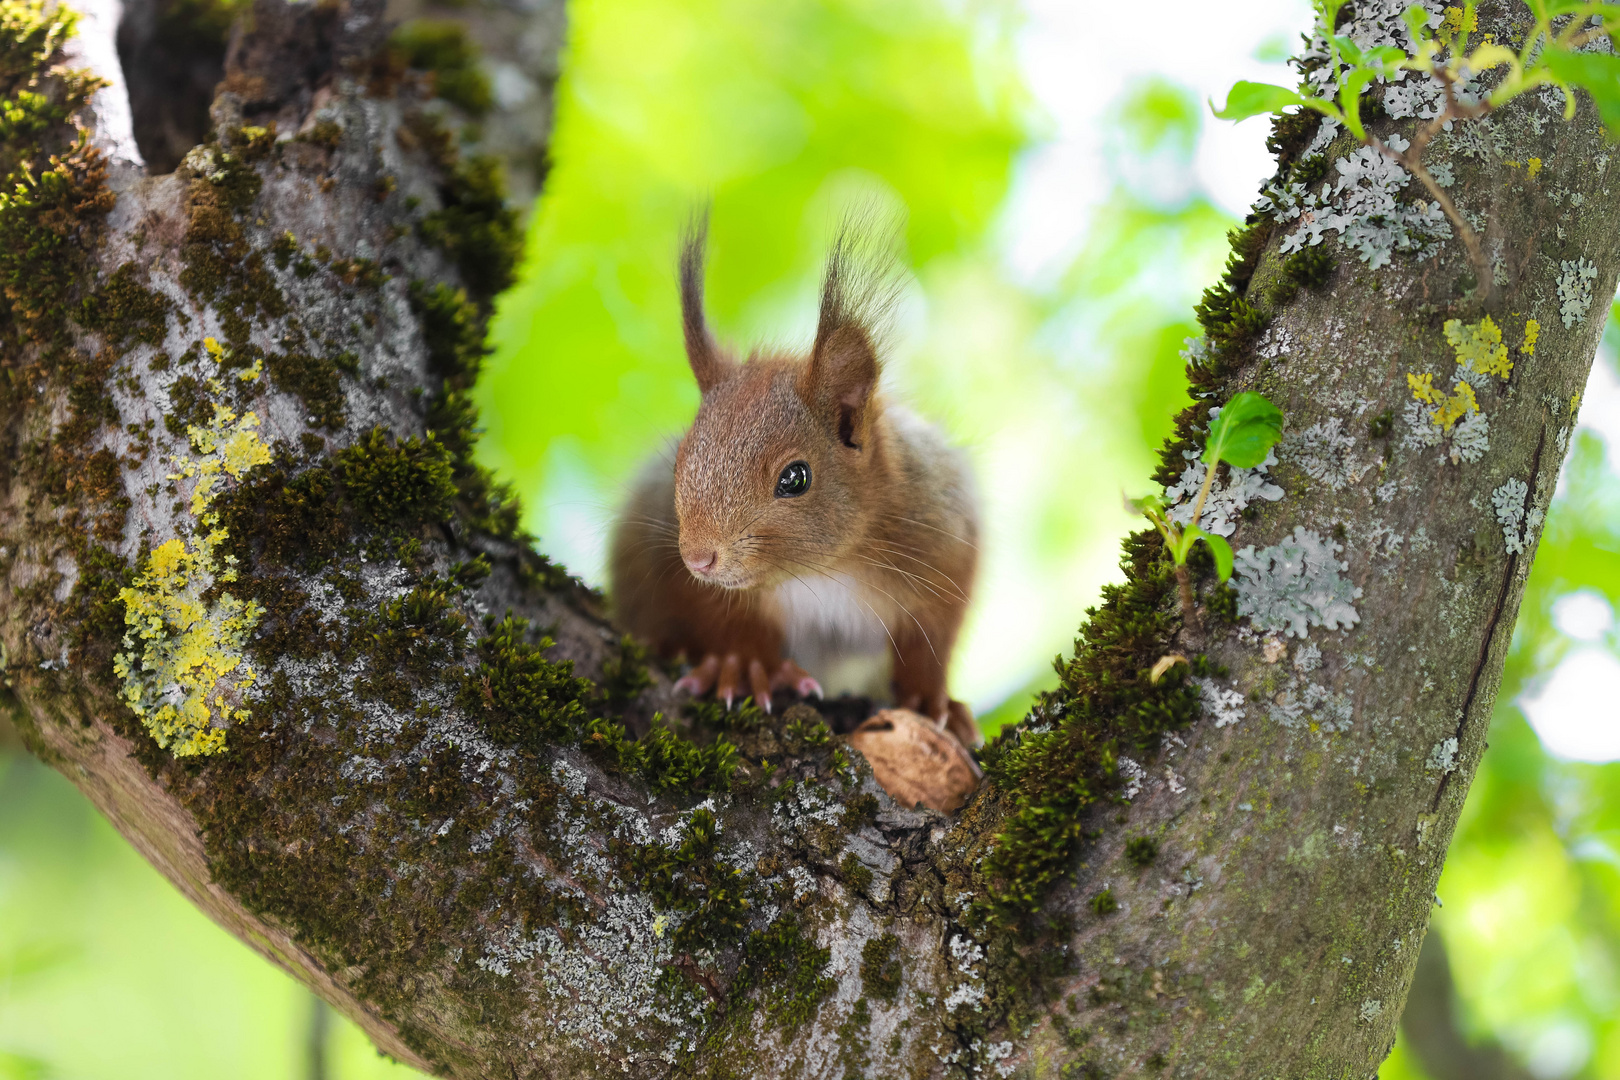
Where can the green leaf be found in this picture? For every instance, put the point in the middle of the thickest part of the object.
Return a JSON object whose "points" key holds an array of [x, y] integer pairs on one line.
{"points": [[1570, 7], [1596, 73], [1417, 21], [1247, 99], [1350, 88], [1387, 57], [1245, 431], [1222, 551], [1348, 49]]}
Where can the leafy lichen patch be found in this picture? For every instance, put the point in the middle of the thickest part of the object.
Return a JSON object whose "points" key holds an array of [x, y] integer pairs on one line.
{"points": [[1519, 523], [1294, 585], [1575, 278], [184, 669]]}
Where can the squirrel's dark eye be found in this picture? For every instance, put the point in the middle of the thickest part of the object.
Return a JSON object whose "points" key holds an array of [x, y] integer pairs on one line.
{"points": [[794, 481]]}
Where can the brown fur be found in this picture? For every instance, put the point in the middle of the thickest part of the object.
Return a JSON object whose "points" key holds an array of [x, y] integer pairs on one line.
{"points": [[889, 513]]}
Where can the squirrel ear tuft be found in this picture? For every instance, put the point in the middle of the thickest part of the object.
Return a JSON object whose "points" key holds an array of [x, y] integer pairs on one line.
{"points": [[708, 365], [857, 289], [839, 380]]}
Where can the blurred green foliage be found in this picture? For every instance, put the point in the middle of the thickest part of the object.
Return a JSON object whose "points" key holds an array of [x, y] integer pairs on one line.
{"points": [[785, 115]]}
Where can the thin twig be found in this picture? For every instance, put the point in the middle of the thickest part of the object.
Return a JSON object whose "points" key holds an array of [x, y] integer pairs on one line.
{"points": [[1412, 160]]}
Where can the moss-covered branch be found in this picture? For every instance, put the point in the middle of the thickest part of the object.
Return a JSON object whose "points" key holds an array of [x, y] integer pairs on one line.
{"points": [[259, 601]]}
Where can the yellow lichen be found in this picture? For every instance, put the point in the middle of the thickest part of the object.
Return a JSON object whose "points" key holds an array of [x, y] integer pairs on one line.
{"points": [[1535, 166], [1532, 330], [1479, 347], [183, 666], [1459, 405], [1456, 407], [1423, 388], [1457, 20]]}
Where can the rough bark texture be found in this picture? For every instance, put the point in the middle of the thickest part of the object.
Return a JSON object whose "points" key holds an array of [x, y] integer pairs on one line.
{"points": [[419, 809]]}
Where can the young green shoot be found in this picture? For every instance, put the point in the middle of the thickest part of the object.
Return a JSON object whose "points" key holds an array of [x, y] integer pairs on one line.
{"points": [[1549, 56], [1241, 435]]}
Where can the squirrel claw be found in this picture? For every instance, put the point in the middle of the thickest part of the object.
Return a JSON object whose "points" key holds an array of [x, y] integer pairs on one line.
{"points": [[793, 677], [760, 684], [699, 679], [730, 676]]}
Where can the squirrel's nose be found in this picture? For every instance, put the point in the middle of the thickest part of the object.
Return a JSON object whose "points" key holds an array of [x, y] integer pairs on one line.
{"points": [[700, 562]]}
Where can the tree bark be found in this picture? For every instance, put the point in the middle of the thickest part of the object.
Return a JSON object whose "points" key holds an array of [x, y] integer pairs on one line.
{"points": [[239, 517]]}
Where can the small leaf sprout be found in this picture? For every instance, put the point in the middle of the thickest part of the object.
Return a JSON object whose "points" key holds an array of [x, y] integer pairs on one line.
{"points": [[1549, 56], [1241, 435]]}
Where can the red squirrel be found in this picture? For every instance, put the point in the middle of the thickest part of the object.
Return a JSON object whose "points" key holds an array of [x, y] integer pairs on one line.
{"points": [[804, 519]]}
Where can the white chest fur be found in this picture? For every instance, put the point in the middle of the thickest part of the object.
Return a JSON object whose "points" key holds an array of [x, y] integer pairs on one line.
{"points": [[834, 628]]}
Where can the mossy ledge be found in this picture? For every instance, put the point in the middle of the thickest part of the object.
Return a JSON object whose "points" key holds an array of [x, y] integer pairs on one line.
{"points": [[465, 809]]}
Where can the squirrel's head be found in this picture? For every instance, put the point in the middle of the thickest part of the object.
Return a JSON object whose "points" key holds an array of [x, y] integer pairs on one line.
{"points": [[777, 476]]}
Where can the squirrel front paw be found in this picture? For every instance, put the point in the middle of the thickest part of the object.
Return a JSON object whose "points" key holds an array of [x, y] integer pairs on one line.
{"points": [[725, 674]]}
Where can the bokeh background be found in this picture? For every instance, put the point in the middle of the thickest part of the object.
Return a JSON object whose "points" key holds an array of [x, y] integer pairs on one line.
{"points": [[1064, 197]]}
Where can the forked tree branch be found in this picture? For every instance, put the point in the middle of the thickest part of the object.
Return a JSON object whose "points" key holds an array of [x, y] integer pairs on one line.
{"points": [[237, 441]]}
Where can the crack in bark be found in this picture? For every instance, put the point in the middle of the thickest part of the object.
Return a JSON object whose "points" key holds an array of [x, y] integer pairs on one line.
{"points": [[1508, 575]]}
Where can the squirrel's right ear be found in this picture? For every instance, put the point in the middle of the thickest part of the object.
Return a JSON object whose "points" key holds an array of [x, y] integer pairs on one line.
{"points": [[708, 364]]}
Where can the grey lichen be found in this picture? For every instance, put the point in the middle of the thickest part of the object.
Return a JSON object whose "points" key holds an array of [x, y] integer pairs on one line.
{"points": [[1324, 452], [1443, 757], [1294, 585], [1518, 525], [1362, 208], [1575, 280], [1220, 702], [1227, 498]]}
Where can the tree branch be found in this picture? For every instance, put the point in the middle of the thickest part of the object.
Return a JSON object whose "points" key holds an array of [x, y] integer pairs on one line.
{"points": [[260, 603]]}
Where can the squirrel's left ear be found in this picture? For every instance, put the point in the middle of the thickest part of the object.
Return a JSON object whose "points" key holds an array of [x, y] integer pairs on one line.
{"points": [[842, 374], [839, 380]]}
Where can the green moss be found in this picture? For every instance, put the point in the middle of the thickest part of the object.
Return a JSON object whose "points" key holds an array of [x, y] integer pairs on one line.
{"points": [[1290, 134], [1308, 269], [407, 483], [1309, 171], [125, 311], [692, 879], [669, 762], [1103, 903], [418, 632], [220, 267], [625, 675], [282, 249], [1106, 706], [453, 330], [1221, 602], [475, 228], [189, 404], [361, 273], [53, 192], [522, 698], [442, 47], [296, 520], [856, 874], [1230, 322], [744, 716], [1246, 243], [315, 380], [49, 209], [785, 968], [880, 968], [1141, 850]]}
